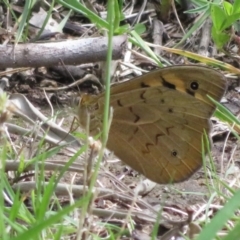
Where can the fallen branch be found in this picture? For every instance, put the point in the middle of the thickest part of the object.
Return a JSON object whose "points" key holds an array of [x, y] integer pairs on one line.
{"points": [[71, 52]]}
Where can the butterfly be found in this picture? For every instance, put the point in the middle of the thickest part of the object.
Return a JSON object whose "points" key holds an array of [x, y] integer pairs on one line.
{"points": [[159, 119]]}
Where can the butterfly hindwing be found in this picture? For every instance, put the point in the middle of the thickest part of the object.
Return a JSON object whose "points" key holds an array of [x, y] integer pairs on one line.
{"points": [[159, 120]]}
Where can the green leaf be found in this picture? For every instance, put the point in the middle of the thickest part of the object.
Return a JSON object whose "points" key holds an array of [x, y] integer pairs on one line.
{"points": [[229, 21], [122, 30], [140, 28], [218, 17], [236, 6], [220, 38], [228, 8]]}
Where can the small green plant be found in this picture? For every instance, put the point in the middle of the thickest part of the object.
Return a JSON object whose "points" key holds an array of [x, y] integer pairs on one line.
{"points": [[223, 17]]}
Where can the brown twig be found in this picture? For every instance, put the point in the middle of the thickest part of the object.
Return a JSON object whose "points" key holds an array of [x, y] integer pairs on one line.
{"points": [[52, 53]]}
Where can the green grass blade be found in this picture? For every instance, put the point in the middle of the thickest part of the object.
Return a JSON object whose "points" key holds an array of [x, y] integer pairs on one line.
{"points": [[220, 219], [80, 8]]}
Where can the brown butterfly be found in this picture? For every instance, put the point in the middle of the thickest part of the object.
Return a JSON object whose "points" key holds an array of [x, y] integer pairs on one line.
{"points": [[159, 119]]}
